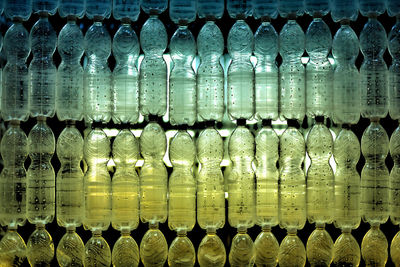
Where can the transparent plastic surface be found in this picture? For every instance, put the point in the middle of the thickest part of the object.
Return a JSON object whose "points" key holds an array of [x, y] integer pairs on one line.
{"points": [[15, 78], [240, 72], [267, 249], [346, 251], [239, 8], [344, 10], [320, 179], [210, 180], [210, 74], [153, 69], [265, 9], [292, 251], [319, 71], [70, 250], [40, 247], [241, 182], [373, 71], [125, 252], [97, 75], [125, 77], [14, 151], [375, 175], [40, 176], [12, 249], [346, 78], [394, 71], [182, 184], [97, 182], [97, 251], [211, 251], [347, 180], [372, 7], [182, 80], [153, 175], [210, 8], [266, 81], [242, 251], [181, 252], [125, 182], [182, 11], [47, 6], [154, 6], [42, 71], [153, 248], [74, 8], [394, 196], [123, 9], [292, 101], [14, 9], [69, 182], [69, 88], [267, 177], [319, 248], [98, 9], [292, 187], [374, 247]]}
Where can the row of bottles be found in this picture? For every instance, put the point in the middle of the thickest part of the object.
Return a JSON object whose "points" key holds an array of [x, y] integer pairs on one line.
{"points": [[126, 92]]}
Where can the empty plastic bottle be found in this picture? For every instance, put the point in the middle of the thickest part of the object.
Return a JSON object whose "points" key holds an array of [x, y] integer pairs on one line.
{"points": [[210, 8]]}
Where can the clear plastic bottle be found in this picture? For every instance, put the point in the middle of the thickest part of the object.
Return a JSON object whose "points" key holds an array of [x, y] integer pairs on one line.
{"points": [[372, 7], [70, 249], [267, 176], [182, 80], [14, 151], [125, 182], [292, 101], [210, 197], [395, 177], [241, 182], [153, 175], [344, 10], [347, 181], [266, 81], [292, 197], [290, 8], [15, 81], [373, 71], [69, 89], [153, 194], [182, 199], [374, 247], [393, 7], [182, 186], [394, 71], [317, 8], [42, 71], [265, 9], [12, 249], [18, 9], [97, 181], [320, 179], [153, 6], [319, 72], [125, 82], [239, 8], [240, 71], [242, 199], [375, 175], [210, 8], [97, 75], [97, 192], [125, 198], [292, 187], [182, 12], [346, 78], [70, 194], [153, 69], [210, 74], [45, 6], [71, 8], [320, 194], [98, 9], [40, 192], [126, 9], [394, 193]]}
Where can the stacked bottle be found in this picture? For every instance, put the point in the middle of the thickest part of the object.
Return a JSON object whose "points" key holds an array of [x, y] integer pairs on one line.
{"points": [[393, 9], [292, 186], [97, 110], [267, 141], [346, 112], [40, 189], [375, 141], [320, 180], [240, 180], [210, 148], [14, 144], [69, 108], [125, 111]]}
